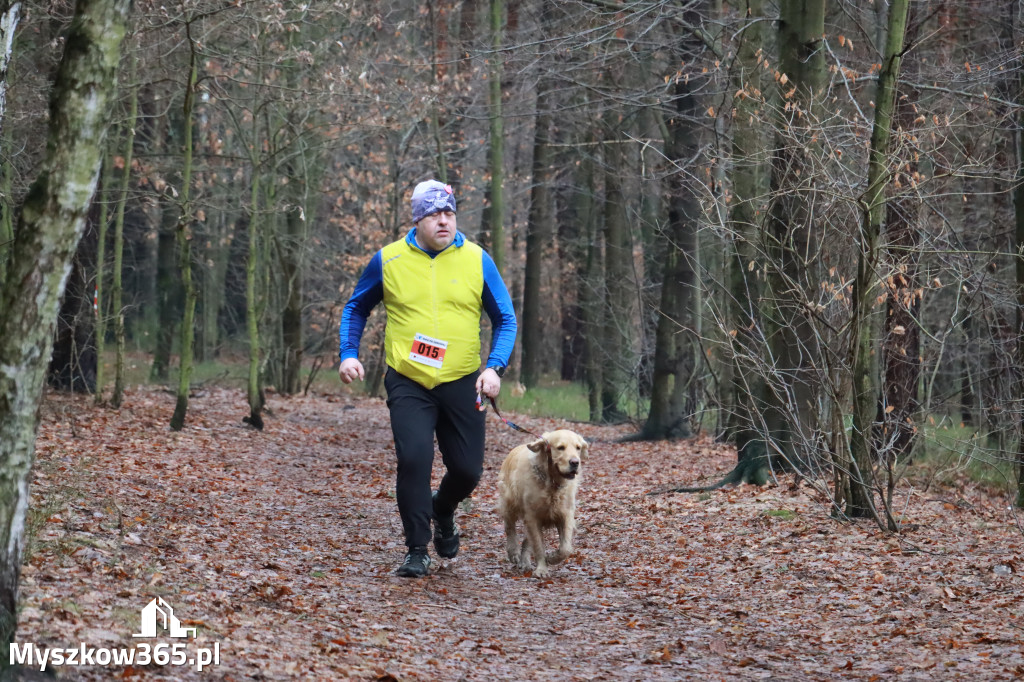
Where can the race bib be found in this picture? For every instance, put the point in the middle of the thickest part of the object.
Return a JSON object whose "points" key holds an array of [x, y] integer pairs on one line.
{"points": [[428, 351]]}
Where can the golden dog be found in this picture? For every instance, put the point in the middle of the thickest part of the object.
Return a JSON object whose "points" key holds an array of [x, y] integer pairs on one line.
{"points": [[538, 484]]}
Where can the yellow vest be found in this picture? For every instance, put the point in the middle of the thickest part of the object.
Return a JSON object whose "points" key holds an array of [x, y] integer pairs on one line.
{"points": [[434, 305]]}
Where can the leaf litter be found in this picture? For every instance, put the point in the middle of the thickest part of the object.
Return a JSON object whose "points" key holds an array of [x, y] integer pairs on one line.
{"points": [[281, 547]]}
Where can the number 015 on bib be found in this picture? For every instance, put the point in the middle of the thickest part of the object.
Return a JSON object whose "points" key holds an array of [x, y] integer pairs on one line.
{"points": [[428, 351]]}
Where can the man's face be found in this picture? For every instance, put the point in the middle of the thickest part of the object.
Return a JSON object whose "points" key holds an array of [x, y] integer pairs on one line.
{"points": [[436, 231]]}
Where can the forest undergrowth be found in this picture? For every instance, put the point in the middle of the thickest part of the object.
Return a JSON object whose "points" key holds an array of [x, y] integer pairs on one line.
{"points": [[280, 548]]}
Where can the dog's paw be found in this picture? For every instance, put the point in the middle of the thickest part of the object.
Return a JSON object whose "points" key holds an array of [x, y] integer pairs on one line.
{"points": [[554, 557], [541, 572]]}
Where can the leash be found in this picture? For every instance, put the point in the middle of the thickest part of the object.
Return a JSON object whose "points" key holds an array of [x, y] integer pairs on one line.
{"points": [[483, 408]]}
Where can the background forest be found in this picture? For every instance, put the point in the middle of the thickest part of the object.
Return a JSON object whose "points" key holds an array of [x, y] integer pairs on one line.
{"points": [[794, 225]]}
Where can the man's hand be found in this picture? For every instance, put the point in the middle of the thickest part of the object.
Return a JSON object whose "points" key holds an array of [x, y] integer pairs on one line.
{"points": [[350, 370], [488, 383]]}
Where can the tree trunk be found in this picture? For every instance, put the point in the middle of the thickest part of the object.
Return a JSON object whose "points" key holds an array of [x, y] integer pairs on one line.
{"points": [[574, 242], [168, 278], [210, 292], [901, 338], [791, 339], [969, 367], [184, 241], [438, 29], [673, 398], [10, 14], [293, 248], [497, 140], [375, 368], [901, 348], [73, 360], [6, 204], [117, 293], [168, 290], [590, 283], [538, 236], [1018, 207], [747, 392], [863, 325], [267, 292], [616, 353], [291, 317], [49, 227], [99, 299], [252, 315]]}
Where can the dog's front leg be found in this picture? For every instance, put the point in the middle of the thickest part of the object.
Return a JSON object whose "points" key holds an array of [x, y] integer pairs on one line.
{"points": [[524, 553], [565, 549], [535, 538]]}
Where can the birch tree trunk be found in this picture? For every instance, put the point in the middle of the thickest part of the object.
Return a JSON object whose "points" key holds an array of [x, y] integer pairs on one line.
{"points": [[49, 227], [9, 15]]}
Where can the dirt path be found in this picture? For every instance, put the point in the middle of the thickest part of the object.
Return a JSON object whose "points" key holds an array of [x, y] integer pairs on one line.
{"points": [[280, 548]]}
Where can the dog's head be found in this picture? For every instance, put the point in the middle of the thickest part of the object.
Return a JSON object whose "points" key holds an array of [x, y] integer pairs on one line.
{"points": [[565, 449]]}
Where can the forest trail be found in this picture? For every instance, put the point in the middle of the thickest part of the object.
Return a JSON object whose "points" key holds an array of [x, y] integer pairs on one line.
{"points": [[281, 547]]}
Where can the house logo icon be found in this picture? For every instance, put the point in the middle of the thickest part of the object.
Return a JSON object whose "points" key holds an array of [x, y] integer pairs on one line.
{"points": [[159, 613]]}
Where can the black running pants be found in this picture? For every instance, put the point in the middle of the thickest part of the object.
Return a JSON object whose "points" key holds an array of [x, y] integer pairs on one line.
{"points": [[418, 414]]}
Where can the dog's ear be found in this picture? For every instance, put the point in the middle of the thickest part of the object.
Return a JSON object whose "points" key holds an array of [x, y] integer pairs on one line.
{"points": [[538, 445], [584, 449]]}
